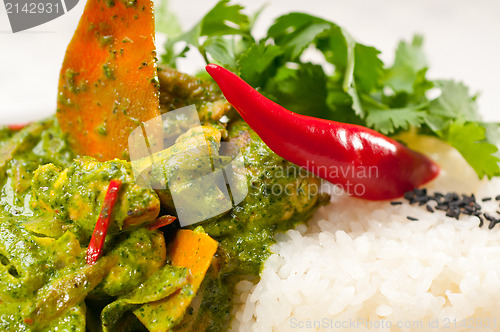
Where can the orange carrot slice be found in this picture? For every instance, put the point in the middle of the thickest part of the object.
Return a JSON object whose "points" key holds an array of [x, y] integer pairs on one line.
{"points": [[193, 250], [108, 82], [190, 249]]}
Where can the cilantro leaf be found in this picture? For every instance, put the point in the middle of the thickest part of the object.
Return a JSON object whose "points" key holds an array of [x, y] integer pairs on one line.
{"points": [[221, 50], [454, 102], [302, 89], [389, 120], [166, 21], [295, 31], [255, 64], [224, 19], [410, 60], [368, 68], [469, 140]]}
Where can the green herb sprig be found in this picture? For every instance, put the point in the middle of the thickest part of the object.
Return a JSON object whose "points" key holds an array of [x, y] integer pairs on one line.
{"points": [[361, 89]]}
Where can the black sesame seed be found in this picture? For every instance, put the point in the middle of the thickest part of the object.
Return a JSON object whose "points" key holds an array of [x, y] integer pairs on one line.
{"points": [[492, 224], [452, 204], [412, 218], [488, 216], [409, 195], [396, 203], [441, 207]]}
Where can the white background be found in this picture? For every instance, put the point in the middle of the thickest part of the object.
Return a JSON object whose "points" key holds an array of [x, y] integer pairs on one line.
{"points": [[462, 40]]}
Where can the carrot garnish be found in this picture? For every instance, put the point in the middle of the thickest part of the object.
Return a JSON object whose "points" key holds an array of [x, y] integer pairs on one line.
{"points": [[108, 82]]}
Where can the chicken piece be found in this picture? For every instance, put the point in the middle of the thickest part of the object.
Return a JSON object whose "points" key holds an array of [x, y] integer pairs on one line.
{"points": [[178, 90], [73, 197]]}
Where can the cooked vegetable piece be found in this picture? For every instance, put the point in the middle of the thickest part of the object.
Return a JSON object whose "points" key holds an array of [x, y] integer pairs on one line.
{"points": [[34, 262], [178, 90], [194, 154], [159, 286], [108, 82], [362, 161], [194, 250], [72, 197], [94, 251], [23, 269], [73, 320], [63, 293], [20, 142], [161, 222], [191, 249], [139, 253]]}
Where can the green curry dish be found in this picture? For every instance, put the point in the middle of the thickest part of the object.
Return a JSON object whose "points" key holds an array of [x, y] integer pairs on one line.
{"points": [[210, 309], [56, 297], [50, 202], [71, 198], [139, 254], [43, 280], [21, 153], [159, 286], [184, 170], [178, 90], [23, 266], [280, 195]]}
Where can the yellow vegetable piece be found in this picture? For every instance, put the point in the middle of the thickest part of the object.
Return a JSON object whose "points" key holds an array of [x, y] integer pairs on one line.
{"points": [[191, 249]]}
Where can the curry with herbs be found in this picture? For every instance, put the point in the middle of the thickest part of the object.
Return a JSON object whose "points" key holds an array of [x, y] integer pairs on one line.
{"points": [[50, 201]]}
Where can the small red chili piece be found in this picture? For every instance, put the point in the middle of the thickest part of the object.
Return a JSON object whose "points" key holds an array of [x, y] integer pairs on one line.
{"points": [[362, 161], [96, 244], [161, 221], [16, 127]]}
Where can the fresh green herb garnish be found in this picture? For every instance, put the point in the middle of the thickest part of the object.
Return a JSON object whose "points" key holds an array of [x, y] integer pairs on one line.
{"points": [[359, 89]]}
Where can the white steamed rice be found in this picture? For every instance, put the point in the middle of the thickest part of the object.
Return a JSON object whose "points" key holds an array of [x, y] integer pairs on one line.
{"points": [[363, 266]]}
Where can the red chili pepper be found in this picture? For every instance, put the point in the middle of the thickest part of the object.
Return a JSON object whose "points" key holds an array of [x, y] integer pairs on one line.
{"points": [[362, 161], [28, 321], [94, 250], [161, 221], [16, 127]]}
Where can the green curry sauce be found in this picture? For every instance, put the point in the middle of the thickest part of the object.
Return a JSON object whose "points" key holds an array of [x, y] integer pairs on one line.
{"points": [[50, 200]]}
